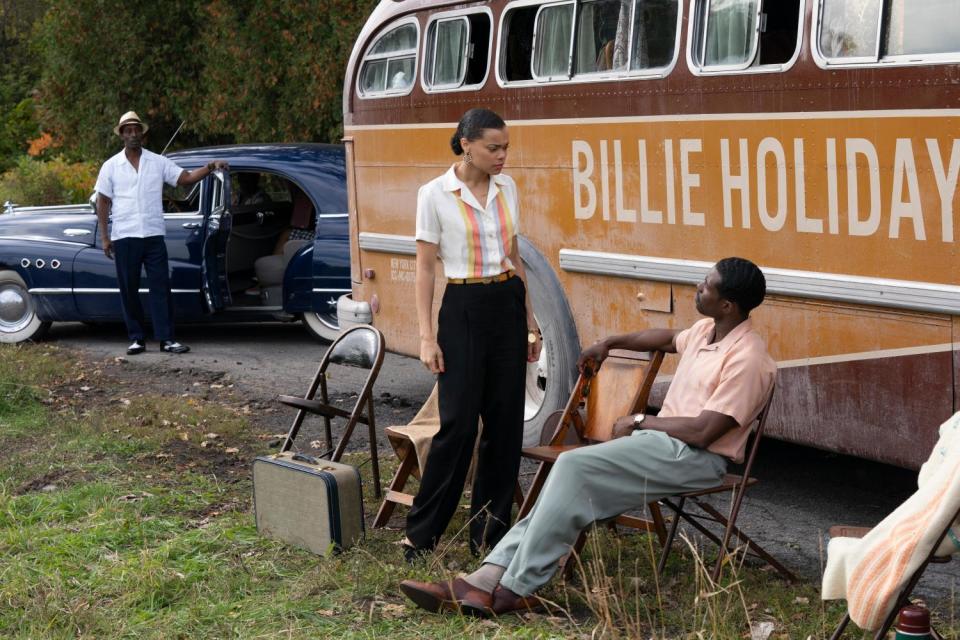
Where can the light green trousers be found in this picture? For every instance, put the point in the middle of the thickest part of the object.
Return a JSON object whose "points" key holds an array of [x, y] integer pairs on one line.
{"points": [[595, 483]]}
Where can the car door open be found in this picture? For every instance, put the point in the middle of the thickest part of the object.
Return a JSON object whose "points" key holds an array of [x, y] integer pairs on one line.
{"points": [[215, 231]]}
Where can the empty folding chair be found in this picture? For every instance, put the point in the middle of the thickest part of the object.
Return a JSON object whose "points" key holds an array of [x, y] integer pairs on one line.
{"points": [[361, 347]]}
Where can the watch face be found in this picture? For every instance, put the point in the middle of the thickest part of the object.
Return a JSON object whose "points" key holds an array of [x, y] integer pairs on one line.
{"points": [[531, 337]]}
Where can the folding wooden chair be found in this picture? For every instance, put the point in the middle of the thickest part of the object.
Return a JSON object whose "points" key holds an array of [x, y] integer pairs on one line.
{"points": [[903, 599], [737, 484], [405, 441], [621, 387], [361, 347]]}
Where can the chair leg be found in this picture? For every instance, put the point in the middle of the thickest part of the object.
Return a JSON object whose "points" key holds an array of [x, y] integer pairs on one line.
{"points": [[840, 627], [571, 558], [658, 525], [404, 471], [542, 471], [374, 460], [671, 534], [518, 496], [751, 545]]}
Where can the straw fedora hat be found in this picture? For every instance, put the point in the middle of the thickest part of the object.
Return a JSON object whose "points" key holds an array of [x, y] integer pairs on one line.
{"points": [[130, 117]]}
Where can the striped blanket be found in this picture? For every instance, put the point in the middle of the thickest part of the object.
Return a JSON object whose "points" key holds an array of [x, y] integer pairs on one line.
{"points": [[871, 571]]}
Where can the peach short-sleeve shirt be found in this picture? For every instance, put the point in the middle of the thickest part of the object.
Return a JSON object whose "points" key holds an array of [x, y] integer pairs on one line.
{"points": [[733, 377]]}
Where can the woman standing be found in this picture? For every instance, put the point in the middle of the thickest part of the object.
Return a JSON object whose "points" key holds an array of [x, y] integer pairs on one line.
{"points": [[468, 218]]}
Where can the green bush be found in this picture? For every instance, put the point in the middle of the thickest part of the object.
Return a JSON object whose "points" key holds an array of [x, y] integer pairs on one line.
{"points": [[33, 182]]}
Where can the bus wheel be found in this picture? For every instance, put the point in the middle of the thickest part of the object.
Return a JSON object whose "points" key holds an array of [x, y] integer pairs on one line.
{"points": [[18, 316], [549, 380]]}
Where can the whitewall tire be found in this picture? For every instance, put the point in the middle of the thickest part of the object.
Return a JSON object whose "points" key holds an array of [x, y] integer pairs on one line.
{"points": [[18, 313]]}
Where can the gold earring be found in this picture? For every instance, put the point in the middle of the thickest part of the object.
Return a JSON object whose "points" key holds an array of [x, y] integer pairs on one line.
{"points": [[467, 157]]}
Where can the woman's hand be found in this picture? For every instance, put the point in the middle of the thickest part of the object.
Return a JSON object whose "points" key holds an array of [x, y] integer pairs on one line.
{"points": [[431, 356], [534, 348]]}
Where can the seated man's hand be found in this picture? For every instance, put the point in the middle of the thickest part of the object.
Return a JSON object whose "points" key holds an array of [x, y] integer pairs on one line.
{"points": [[623, 427], [592, 357]]}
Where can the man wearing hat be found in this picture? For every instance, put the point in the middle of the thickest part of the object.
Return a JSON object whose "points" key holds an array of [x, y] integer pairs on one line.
{"points": [[130, 186]]}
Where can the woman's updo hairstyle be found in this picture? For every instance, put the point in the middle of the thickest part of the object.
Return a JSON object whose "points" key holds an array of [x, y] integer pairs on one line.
{"points": [[471, 127]]}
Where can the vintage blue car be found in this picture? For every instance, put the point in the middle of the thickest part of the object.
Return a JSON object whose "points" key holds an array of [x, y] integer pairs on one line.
{"points": [[227, 240]]}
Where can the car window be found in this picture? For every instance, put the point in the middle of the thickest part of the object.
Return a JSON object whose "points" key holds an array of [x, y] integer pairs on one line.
{"points": [[252, 187], [183, 198]]}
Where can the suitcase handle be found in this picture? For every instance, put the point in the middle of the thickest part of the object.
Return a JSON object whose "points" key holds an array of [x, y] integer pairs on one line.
{"points": [[302, 457]]}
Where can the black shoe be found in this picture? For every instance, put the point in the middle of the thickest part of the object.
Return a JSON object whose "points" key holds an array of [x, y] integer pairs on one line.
{"points": [[414, 554], [172, 346], [136, 347]]}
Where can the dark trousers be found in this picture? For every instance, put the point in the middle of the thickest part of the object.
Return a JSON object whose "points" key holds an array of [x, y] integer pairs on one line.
{"points": [[482, 333], [130, 254]]}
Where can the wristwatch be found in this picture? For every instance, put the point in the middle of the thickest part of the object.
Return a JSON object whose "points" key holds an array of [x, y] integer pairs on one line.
{"points": [[638, 420], [533, 336]]}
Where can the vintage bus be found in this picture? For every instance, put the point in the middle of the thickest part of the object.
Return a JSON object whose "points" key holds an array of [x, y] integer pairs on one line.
{"points": [[649, 138]]}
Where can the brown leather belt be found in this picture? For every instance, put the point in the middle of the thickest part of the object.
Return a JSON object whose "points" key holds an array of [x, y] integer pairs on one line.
{"points": [[500, 277]]}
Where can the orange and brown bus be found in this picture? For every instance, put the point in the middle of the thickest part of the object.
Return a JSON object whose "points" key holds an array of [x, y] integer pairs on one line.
{"points": [[649, 138]]}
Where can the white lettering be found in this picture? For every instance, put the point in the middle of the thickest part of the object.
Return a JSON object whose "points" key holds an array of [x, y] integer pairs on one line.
{"points": [[905, 166], [946, 183], [647, 214], [604, 181], [767, 147], [623, 214], [856, 225], [671, 188], [804, 224], [689, 181], [582, 181], [730, 182], [833, 200]]}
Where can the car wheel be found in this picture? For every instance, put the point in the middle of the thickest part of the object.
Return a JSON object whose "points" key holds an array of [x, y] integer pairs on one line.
{"points": [[322, 326], [18, 315], [550, 379]]}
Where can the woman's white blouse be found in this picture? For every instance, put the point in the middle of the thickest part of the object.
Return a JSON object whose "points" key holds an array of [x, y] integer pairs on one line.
{"points": [[474, 239]]}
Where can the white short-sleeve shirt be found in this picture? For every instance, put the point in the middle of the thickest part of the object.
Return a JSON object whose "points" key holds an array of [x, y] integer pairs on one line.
{"points": [[475, 238], [137, 196]]}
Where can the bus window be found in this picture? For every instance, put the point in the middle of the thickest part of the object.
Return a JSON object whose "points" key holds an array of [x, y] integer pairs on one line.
{"points": [[740, 35], [516, 36], [929, 26], [389, 65], [552, 41], [603, 34], [654, 34], [456, 52], [865, 31], [848, 28]]}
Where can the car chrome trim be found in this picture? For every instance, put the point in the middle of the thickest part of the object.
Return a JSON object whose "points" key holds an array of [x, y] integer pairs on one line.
{"points": [[61, 290], [77, 232], [388, 243], [25, 262], [331, 290], [39, 263], [881, 292], [254, 308], [43, 239], [333, 215], [54, 264]]}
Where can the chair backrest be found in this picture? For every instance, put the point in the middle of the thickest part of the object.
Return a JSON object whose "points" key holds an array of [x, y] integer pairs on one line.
{"points": [[621, 387], [360, 347], [757, 433]]}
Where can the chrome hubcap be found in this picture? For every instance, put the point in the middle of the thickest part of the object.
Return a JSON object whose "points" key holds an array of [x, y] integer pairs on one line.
{"points": [[16, 308], [536, 385]]}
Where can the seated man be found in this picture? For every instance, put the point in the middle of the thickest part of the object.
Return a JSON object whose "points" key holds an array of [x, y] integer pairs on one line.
{"points": [[722, 381]]}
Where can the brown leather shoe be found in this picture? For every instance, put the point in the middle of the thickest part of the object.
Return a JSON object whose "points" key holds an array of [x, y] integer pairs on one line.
{"points": [[471, 600], [506, 601], [431, 596], [446, 595]]}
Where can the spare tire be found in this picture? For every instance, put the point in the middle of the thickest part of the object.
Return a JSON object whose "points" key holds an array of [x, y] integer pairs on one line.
{"points": [[550, 380]]}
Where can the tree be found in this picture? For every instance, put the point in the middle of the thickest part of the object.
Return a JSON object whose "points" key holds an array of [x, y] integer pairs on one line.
{"points": [[19, 72]]}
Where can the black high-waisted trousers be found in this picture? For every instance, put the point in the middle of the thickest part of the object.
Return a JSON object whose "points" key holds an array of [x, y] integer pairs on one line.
{"points": [[482, 333]]}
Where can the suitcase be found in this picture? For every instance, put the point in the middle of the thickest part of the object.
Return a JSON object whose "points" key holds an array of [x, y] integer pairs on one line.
{"points": [[308, 502]]}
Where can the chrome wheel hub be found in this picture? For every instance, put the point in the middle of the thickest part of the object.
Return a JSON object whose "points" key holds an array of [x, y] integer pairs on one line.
{"points": [[16, 307], [536, 385]]}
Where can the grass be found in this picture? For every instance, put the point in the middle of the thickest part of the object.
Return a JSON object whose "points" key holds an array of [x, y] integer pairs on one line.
{"points": [[129, 516]]}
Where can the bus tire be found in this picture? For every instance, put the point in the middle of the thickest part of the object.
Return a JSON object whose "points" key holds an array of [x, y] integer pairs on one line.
{"points": [[18, 314], [549, 380]]}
